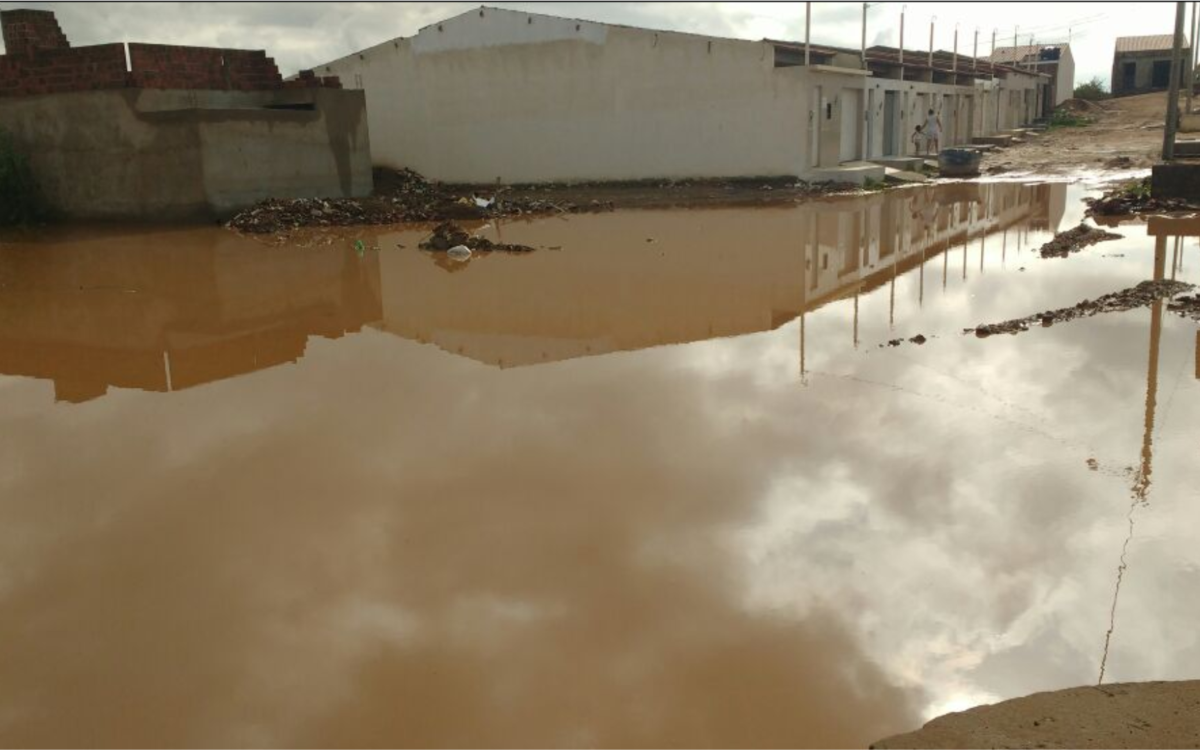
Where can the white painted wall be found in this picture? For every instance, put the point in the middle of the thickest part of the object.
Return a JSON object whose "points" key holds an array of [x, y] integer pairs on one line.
{"points": [[1064, 83], [548, 99], [505, 96]]}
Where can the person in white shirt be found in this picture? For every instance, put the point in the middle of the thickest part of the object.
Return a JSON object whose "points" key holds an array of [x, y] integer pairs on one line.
{"points": [[933, 132]]}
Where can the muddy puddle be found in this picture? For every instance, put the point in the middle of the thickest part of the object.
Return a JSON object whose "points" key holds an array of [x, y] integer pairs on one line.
{"points": [[655, 482]]}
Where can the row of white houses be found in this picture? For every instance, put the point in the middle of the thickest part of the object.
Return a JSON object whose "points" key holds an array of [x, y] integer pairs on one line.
{"points": [[506, 96]]}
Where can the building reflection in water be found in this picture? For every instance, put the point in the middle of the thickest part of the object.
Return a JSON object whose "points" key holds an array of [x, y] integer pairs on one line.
{"points": [[163, 311], [646, 278]]}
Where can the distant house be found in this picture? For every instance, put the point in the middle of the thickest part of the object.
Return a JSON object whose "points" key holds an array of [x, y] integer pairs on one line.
{"points": [[1055, 60], [1143, 63]]}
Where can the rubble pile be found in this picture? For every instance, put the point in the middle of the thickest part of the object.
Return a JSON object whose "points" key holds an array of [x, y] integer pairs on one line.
{"points": [[1074, 240], [1133, 198], [400, 196], [1186, 306], [449, 235], [1142, 295]]}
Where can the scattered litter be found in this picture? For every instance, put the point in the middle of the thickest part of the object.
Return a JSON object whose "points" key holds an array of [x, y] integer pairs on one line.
{"points": [[459, 252]]}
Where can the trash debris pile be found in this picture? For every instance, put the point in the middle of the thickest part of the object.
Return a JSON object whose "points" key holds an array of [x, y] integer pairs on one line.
{"points": [[1133, 198], [400, 196], [1142, 295], [1074, 240], [457, 242]]}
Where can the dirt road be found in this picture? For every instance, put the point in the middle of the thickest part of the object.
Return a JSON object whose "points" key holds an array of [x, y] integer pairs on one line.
{"points": [[1126, 133]]}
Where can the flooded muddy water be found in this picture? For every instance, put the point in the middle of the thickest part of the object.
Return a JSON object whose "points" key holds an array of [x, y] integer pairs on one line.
{"points": [[661, 481]]}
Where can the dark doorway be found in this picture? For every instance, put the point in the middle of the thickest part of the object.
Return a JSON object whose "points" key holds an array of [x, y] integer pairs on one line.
{"points": [[1160, 76], [1128, 76]]}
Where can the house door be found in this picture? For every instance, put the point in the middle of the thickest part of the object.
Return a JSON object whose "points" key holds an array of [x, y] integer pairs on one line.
{"points": [[851, 116], [1160, 74], [889, 122], [1128, 76]]}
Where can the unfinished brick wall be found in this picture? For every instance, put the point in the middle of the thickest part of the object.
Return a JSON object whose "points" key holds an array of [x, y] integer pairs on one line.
{"points": [[28, 31], [309, 80], [101, 66], [163, 66], [40, 60]]}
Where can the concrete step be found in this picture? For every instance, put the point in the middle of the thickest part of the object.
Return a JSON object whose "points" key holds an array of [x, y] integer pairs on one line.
{"points": [[1187, 148], [902, 175], [909, 163], [998, 140], [856, 172]]}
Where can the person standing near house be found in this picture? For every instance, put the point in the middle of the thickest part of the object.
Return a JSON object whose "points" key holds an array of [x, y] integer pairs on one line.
{"points": [[918, 140], [933, 132]]}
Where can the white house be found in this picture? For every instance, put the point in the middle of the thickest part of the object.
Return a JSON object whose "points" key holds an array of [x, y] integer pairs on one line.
{"points": [[1055, 60], [513, 97]]}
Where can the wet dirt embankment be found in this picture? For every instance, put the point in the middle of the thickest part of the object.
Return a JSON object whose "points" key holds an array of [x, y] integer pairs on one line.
{"points": [[1121, 715]]}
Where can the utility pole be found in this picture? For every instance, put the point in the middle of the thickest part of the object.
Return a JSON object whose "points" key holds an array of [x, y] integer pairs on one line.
{"points": [[1168, 150], [1033, 60], [954, 60], [975, 52], [992, 56], [864, 36], [931, 20], [1191, 76], [903, 8], [807, 27]]}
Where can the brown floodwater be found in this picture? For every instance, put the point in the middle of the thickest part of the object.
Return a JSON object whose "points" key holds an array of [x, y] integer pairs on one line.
{"points": [[655, 483]]}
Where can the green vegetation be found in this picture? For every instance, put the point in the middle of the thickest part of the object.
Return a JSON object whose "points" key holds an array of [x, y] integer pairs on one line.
{"points": [[873, 186], [20, 199], [1092, 90], [1063, 118], [1137, 190]]}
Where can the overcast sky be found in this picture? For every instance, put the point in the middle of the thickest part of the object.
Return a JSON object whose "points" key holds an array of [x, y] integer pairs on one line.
{"points": [[301, 35]]}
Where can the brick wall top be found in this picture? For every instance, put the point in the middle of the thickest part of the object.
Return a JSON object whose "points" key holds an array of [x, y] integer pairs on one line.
{"points": [[29, 31], [40, 60]]}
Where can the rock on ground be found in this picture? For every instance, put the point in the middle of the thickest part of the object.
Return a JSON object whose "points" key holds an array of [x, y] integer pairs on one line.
{"points": [[1123, 715]]}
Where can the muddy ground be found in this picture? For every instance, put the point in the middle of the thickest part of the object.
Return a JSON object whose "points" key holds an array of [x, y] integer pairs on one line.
{"points": [[1123, 715], [405, 196], [1124, 133]]}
